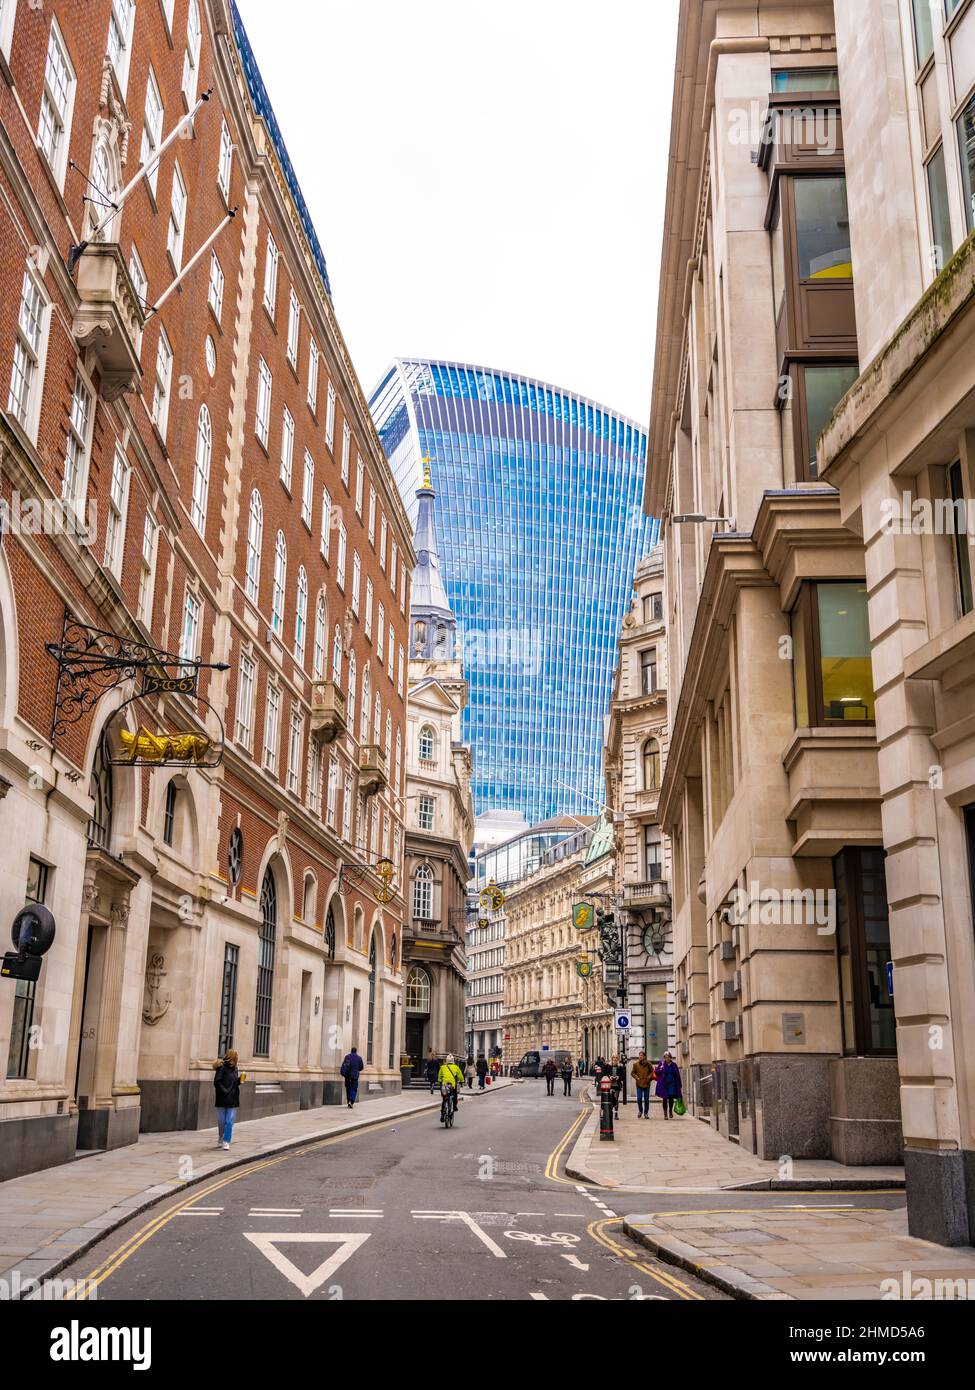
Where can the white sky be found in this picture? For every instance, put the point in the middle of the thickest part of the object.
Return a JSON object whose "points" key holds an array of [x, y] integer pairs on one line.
{"points": [[487, 179]]}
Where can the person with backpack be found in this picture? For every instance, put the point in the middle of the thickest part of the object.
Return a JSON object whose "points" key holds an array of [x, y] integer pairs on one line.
{"points": [[226, 1086], [352, 1065]]}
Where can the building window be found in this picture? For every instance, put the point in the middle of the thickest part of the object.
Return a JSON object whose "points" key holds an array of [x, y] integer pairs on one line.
{"points": [[255, 541], [313, 375], [966, 145], [942, 241], [201, 470], [57, 101], [326, 522], [177, 220], [368, 619], [380, 632], [963, 543], [806, 80], [215, 288], [346, 443], [372, 515], [296, 736], [653, 853], [8, 12], [340, 556], [970, 837], [330, 417], [347, 810], [307, 489], [371, 1007], [226, 161], [301, 615], [294, 329], [161, 385], [264, 384], [423, 893], [115, 523], [426, 746], [821, 388], [265, 966], [279, 584], [78, 443], [120, 21], [383, 533], [417, 991], [360, 474], [330, 934], [287, 447], [356, 582], [152, 124], [832, 675], [648, 671], [391, 1061], [147, 570], [332, 795], [228, 998], [321, 627], [651, 765], [245, 699], [270, 275], [822, 229], [24, 399], [169, 814], [366, 695], [272, 715], [191, 61], [189, 647], [426, 811], [863, 951], [337, 655], [923, 31]]}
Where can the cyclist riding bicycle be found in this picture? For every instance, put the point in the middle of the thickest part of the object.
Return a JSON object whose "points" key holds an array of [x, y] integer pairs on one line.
{"points": [[451, 1075]]}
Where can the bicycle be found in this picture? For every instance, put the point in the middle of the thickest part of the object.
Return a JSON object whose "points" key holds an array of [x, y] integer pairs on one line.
{"points": [[447, 1106]]}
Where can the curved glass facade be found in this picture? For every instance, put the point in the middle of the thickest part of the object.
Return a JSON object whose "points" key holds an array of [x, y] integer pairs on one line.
{"points": [[540, 525]]}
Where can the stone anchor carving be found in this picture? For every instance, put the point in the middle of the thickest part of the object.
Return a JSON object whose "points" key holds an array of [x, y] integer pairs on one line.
{"points": [[154, 1007]]}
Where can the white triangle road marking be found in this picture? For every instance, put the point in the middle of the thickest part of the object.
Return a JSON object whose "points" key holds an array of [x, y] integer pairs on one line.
{"points": [[576, 1262], [347, 1241]]}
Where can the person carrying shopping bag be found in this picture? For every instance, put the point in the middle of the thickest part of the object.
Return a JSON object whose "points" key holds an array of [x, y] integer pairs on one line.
{"points": [[669, 1089]]}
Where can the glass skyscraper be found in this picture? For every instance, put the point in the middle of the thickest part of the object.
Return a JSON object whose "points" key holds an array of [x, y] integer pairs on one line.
{"points": [[540, 525]]}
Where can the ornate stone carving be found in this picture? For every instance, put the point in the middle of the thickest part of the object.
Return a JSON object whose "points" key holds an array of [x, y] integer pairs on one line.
{"points": [[155, 1005]]}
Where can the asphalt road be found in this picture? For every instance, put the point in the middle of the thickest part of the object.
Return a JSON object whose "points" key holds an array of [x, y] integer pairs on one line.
{"points": [[409, 1210]]}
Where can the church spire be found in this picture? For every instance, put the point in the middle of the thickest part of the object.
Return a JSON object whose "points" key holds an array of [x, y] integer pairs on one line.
{"points": [[434, 628]]}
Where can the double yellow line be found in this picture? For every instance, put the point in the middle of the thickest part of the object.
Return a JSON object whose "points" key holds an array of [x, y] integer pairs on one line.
{"points": [[664, 1278], [86, 1285], [552, 1166]]}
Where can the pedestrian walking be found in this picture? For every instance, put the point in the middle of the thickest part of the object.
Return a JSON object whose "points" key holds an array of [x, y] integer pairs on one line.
{"points": [[432, 1069], [226, 1087], [550, 1071], [566, 1074], [481, 1067], [581, 1066], [669, 1087], [642, 1073], [352, 1065], [469, 1072], [495, 1068], [616, 1073]]}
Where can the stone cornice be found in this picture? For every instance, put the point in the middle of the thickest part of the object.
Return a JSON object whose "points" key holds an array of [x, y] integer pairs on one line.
{"points": [[802, 520]]}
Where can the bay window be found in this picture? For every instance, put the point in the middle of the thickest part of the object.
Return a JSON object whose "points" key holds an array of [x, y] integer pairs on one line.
{"points": [[832, 674]]}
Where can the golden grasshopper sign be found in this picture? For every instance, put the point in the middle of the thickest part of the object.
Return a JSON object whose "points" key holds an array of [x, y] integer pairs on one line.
{"points": [[582, 916]]}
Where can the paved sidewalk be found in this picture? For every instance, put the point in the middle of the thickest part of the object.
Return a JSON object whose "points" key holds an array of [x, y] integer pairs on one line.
{"points": [[50, 1217], [778, 1253], [687, 1155]]}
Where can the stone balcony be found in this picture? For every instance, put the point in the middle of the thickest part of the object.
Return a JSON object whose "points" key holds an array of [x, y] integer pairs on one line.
{"points": [[373, 777], [646, 895], [109, 318], [328, 720]]}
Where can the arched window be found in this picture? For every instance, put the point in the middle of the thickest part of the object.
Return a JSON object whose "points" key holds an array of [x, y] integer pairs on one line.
{"points": [[255, 539], [427, 746], [301, 615], [651, 765], [100, 791], [337, 655], [321, 629], [170, 806], [265, 965], [330, 934], [308, 903], [350, 700], [423, 893], [417, 991], [366, 694], [105, 179], [371, 1012], [280, 581], [201, 471]]}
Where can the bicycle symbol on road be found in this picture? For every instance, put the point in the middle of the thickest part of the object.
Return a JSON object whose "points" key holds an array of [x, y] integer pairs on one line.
{"points": [[556, 1238]]}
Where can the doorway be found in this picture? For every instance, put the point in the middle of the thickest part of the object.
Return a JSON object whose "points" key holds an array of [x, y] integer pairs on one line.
{"points": [[415, 1029]]}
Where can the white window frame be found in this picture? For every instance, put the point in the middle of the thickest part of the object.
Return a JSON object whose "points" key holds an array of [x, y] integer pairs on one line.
{"points": [[294, 327], [296, 742], [372, 515], [138, 276], [262, 413], [287, 447], [360, 478], [301, 615], [8, 13], [368, 615], [118, 504], [399, 677], [383, 537], [308, 489], [314, 792], [313, 361], [176, 229], [380, 633], [280, 584], [189, 640], [225, 163], [246, 687], [201, 470], [163, 382], [272, 728], [326, 522], [147, 570], [346, 449], [152, 126], [77, 450], [57, 105], [191, 59], [330, 418], [332, 793], [255, 544], [215, 287], [319, 653], [30, 354], [121, 21], [356, 582], [271, 259], [340, 556]]}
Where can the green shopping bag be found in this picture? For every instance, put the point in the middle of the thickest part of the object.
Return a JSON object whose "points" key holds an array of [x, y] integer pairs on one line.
{"points": [[679, 1107]]}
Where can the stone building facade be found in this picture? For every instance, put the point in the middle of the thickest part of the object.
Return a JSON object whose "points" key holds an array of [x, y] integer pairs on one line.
{"points": [[901, 450], [771, 793], [634, 757], [183, 412], [439, 813], [546, 1001]]}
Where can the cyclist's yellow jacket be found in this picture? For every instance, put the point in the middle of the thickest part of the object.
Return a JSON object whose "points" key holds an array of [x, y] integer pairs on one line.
{"points": [[450, 1075]]}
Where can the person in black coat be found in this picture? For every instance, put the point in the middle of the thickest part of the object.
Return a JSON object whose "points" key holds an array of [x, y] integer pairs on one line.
{"points": [[226, 1087], [352, 1065], [566, 1074], [432, 1070], [481, 1067]]}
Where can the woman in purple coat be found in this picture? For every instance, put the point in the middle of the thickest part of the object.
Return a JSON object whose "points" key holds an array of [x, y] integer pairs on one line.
{"points": [[668, 1084]]}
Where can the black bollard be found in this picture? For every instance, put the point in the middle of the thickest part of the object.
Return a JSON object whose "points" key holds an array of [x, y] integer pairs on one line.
{"points": [[606, 1109]]}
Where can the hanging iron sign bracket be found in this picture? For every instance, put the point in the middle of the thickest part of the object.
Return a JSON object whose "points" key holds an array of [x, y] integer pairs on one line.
{"points": [[91, 662]]}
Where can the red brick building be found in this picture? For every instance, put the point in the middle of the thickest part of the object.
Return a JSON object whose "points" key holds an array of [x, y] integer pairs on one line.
{"points": [[193, 469]]}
